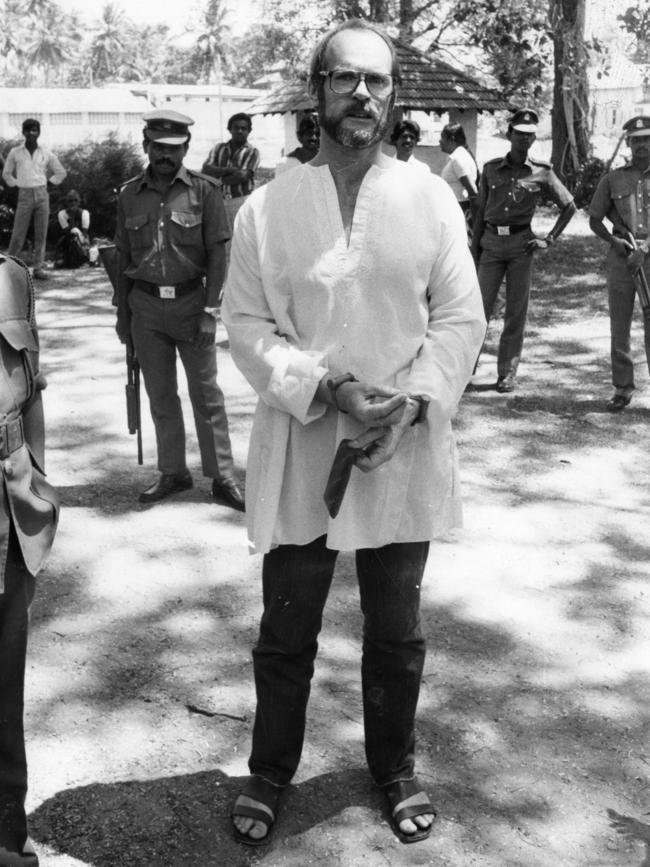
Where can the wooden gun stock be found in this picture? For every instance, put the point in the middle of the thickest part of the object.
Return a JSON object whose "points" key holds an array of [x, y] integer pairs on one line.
{"points": [[132, 389], [640, 279]]}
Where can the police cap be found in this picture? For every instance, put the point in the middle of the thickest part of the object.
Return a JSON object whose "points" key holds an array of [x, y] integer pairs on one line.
{"points": [[639, 125], [167, 127], [524, 120]]}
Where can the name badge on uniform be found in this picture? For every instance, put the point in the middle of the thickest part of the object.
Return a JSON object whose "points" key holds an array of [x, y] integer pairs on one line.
{"points": [[168, 292], [503, 230]]}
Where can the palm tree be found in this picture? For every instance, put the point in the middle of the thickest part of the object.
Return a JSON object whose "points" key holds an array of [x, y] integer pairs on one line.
{"points": [[10, 33], [211, 43], [48, 45], [107, 48]]}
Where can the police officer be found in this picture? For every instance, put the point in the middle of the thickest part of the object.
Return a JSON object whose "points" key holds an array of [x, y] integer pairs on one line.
{"points": [[503, 243], [623, 197], [170, 236], [28, 518]]}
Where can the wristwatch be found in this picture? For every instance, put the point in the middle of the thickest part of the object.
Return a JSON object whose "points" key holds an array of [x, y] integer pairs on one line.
{"points": [[212, 311]]}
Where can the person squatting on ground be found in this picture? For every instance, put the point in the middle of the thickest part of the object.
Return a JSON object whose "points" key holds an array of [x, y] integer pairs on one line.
{"points": [[308, 134], [353, 309], [503, 242], [233, 164], [28, 519], [170, 236], [404, 138], [73, 248], [29, 167], [623, 197]]}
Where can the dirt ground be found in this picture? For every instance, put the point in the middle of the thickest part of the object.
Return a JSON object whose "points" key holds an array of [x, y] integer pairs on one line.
{"points": [[533, 718]]}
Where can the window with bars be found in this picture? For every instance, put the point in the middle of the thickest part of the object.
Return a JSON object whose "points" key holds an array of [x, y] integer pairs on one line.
{"points": [[66, 118], [104, 117], [17, 119]]}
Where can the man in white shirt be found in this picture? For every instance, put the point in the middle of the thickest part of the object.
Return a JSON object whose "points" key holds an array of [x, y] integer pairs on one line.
{"points": [[352, 307], [29, 167]]}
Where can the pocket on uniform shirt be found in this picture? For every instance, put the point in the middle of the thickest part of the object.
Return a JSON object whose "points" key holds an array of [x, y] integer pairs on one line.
{"points": [[625, 203], [185, 228], [140, 230]]}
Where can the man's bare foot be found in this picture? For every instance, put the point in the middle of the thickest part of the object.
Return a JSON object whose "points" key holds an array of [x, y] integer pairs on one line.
{"points": [[247, 826], [412, 826], [411, 812], [254, 812]]}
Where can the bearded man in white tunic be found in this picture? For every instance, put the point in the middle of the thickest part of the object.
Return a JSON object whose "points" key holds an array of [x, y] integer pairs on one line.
{"points": [[353, 309]]}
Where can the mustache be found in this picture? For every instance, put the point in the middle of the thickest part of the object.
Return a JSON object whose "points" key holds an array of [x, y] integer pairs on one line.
{"points": [[164, 161]]}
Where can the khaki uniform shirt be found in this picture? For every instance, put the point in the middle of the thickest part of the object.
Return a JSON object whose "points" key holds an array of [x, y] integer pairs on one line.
{"points": [[508, 194], [623, 196], [27, 502], [166, 239]]}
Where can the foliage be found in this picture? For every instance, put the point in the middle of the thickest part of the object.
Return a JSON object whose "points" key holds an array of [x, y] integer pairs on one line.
{"points": [[635, 20], [211, 42], [284, 44], [514, 37], [97, 170], [6, 223], [589, 173], [107, 49]]}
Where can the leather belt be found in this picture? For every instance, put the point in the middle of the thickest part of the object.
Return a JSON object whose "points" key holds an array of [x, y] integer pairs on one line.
{"points": [[12, 436], [169, 292], [506, 230]]}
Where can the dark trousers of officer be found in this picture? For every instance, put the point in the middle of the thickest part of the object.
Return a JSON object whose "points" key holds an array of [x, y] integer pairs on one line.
{"points": [[505, 256], [296, 582], [14, 618], [160, 329], [621, 294]]}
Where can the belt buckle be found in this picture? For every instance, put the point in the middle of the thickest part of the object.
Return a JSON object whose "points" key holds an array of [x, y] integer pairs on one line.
{"points": [[503, 230], [167, 292]]}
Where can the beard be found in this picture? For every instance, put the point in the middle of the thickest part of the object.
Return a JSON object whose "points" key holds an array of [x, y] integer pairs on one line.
{"points": [[333, 124]]}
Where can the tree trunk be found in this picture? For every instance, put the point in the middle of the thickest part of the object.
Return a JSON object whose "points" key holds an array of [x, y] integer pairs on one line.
{"points": [[570, 89], [379, 11], [406, 20]]}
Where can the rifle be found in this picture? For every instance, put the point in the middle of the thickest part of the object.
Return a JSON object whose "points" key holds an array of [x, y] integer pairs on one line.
{"points": [[640, 280], [638, 276], [132, 389], [110, 260]]}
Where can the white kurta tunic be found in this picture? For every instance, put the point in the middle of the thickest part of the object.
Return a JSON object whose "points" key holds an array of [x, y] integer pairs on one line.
{"points": [[400, 305]]}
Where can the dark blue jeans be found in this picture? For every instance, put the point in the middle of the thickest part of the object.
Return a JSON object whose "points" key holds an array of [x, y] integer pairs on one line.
{"points": [[296, 582], [14, 617]]}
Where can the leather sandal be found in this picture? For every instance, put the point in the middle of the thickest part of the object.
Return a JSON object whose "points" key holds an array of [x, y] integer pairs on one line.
{"points": [[267, 795], [406, 800]]}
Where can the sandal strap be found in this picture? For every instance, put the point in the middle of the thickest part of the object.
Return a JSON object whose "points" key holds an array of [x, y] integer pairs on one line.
{"points": [[407, 799], [253, 813], [265, 793]]}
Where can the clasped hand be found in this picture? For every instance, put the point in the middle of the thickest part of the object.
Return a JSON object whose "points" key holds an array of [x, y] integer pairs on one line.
{"points": [[388, 412], [205, 332], [536, 244], [635, 260]]}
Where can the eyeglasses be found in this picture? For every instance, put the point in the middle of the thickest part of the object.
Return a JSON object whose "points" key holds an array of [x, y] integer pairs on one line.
{"points": [[347, 80]]}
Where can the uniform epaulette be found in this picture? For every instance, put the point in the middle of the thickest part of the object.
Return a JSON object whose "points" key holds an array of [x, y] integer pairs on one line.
{"points": [[131, 181], [30, 287], [543, 163], [494, 160], [203, 176]]}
